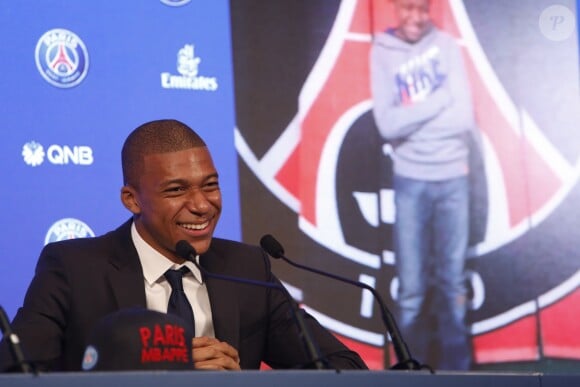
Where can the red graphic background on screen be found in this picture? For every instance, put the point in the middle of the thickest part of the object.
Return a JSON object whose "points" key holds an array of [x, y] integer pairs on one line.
{"points": [[530, 168]]}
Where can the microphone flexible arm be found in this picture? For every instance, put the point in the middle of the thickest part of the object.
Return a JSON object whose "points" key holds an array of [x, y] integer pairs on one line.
{"points": [[188, 253], [405, 360]]}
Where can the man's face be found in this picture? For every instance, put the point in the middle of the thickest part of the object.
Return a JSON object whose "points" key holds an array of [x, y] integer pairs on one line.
{"points": [[178, 197], [414, 19]]}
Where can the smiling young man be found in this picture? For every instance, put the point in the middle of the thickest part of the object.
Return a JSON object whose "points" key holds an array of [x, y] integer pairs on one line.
{"points": [[171, 187], [423, 109]]}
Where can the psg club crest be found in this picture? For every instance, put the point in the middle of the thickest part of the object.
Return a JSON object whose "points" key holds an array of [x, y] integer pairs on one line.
{"points": [[68, 228], [62, 58], [175, 3]]}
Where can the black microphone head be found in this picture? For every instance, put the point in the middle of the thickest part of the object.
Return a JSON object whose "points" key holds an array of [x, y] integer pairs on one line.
{"points": [[272, 246], [185, 250]]}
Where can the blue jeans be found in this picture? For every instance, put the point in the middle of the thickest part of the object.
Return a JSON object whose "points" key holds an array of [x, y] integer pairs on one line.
{"points": [[431, 235]]}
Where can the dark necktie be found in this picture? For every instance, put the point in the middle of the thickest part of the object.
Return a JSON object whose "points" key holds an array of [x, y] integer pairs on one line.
{"points": [[178, 303]]}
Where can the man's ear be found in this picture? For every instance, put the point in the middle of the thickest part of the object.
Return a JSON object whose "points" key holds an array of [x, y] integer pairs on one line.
{"points": [[129, 199]]}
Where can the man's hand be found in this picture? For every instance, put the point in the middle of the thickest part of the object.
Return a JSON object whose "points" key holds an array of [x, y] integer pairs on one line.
{"points": [[212, 354]]}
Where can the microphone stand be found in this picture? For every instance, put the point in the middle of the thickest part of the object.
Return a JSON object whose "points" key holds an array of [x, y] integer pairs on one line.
{"points": [[305, 336], [14, 343], [405, 360]]}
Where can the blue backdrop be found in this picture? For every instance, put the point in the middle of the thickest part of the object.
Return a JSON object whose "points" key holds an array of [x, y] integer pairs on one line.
{"points": [[77, 77]]}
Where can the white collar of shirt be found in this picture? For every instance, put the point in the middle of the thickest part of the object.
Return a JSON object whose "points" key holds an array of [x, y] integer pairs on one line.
{"points": [[157, 289], [154, 263]]}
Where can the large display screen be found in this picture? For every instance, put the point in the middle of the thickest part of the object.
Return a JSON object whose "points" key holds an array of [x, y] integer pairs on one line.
{"points": [[317, 174]]}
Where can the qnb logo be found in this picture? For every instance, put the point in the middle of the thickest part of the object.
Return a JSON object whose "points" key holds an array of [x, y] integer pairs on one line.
{"points": [[34, 154], [61, 58], [188, 68]]}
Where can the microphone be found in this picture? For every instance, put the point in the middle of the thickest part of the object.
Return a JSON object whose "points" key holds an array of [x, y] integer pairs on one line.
{"points": [[405, 361], [13, 342], [187, 252]]}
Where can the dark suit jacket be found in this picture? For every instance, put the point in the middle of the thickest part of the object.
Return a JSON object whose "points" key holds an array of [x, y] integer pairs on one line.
{"points": [[79, 281]]}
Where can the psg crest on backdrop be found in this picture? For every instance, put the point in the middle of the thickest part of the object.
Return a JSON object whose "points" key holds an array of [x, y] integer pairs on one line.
{"points": [[316, 173]]}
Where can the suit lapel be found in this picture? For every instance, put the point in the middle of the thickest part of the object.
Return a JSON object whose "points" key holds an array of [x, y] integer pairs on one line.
{"points": [[223, 297], [126, 275]]}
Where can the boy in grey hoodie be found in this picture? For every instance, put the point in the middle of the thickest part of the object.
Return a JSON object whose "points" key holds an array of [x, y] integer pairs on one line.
{"points": [[423, 108]]}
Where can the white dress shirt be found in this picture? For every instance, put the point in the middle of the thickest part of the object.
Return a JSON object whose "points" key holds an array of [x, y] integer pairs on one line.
{"points": [[158, 290]]}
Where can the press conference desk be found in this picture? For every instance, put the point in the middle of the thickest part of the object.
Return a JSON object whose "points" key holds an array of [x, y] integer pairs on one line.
{"points": [[290, 379]]}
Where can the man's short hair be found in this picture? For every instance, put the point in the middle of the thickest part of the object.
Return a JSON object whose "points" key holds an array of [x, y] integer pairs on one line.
{"points": [[160, 136]]}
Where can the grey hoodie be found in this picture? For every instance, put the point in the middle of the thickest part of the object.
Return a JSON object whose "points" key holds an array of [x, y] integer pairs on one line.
{"points": [[422, 104]]}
